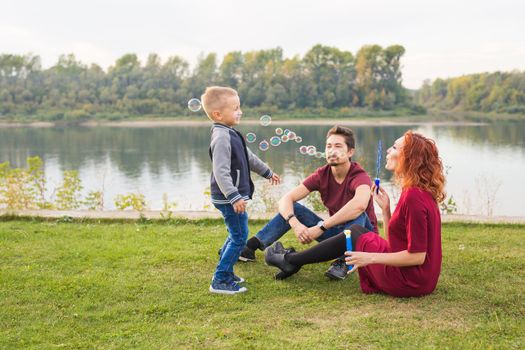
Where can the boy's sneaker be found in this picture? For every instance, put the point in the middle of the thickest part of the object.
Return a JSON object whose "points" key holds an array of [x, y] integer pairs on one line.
{"points": [[238, 279], [338, 270], [226, 288], [247, 255]]}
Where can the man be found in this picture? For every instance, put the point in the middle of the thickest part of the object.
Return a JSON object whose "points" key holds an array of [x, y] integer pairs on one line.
{"points": [[345, 191]]}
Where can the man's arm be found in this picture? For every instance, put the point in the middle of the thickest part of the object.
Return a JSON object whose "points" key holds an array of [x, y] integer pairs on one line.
{"points": [[286, 209], [287, 201], [355, 207]]}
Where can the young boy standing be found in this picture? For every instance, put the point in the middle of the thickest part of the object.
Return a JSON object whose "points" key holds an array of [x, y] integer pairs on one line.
{"points": [[231, 185]]}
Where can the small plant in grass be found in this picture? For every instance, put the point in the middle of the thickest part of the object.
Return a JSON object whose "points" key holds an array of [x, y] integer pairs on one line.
{"points": [[94, 200], [448, 206], [68, 193], [135, 201]]}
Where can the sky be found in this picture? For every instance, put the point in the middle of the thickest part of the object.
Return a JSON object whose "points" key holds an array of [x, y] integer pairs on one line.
{"points": [[442, 38]]}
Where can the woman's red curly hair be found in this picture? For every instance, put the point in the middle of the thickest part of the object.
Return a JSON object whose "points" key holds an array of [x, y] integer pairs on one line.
{"points": [[420, 166]]}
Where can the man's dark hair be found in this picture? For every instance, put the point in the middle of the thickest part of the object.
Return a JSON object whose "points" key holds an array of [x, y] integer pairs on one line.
{"points": [[347, 133]]}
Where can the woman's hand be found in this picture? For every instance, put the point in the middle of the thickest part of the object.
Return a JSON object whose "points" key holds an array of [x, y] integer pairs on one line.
{"points": [[381, 198], [358, 259]]}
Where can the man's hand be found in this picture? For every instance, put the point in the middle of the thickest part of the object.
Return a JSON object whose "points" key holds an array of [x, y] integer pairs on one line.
{"points": [[275, 179], [314, 232], [240, 206], [300, 232]]}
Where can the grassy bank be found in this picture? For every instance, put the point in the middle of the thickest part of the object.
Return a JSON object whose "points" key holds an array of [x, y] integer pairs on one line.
{"points": [[145, 285]]}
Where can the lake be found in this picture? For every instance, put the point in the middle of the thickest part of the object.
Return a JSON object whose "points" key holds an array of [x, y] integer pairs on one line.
{"points": [[485, 163]]}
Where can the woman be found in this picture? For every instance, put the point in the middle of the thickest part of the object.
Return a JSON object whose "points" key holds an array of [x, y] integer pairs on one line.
{"points": [[408, 263]]}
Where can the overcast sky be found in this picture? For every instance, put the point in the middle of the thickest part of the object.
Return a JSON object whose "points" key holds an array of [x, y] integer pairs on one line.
{"points": [[442, 38]]}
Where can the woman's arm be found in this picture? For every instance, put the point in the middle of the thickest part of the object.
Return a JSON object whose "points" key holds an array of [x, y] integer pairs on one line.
{"points": [[402, 258]]}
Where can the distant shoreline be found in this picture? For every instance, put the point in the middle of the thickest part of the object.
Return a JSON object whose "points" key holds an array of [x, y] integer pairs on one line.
{"points": [[169, 123]]}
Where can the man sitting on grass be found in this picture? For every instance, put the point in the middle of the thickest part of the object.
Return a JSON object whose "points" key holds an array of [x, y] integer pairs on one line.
{"points": [[345, 191]]}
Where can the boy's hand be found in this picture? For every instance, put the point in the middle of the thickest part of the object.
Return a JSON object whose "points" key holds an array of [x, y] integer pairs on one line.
{"points": [[240, 206], [275, 179]]}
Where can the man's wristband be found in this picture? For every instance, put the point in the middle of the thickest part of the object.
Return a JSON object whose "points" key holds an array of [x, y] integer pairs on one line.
{"points": [[292, 215]]}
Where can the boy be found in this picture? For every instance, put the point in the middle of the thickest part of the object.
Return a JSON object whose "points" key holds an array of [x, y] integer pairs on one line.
{"points": [[231, 185]]}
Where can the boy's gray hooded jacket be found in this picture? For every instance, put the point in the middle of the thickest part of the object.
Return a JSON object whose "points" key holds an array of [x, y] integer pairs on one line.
{"points": [[232, 162]]}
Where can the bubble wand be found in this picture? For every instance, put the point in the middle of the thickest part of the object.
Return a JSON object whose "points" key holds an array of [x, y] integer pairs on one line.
{"points": [[348, 235], [378, 165]]}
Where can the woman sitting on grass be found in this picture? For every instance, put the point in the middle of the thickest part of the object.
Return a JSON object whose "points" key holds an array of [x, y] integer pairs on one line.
{"points": [[408, 263]]}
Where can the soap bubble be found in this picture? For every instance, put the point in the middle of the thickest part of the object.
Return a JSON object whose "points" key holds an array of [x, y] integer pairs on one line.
{"points": [[285, 138], [310, 150], [264, 145], [292, 135], [251, 137], [194, 105], [275, 141], [298, 139], [286, 131], [318, 154], [303, 149], [265, 120], [278, 131]]}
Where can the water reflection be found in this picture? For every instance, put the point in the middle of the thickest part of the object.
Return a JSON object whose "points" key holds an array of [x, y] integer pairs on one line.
{"points": [[175, 160]]}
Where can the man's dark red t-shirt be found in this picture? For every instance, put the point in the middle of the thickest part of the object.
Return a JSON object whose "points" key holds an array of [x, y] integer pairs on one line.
{"points": [[335, 195]]}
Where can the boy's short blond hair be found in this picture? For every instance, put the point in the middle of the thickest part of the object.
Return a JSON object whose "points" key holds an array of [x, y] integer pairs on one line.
{"points": [[213, 98]]}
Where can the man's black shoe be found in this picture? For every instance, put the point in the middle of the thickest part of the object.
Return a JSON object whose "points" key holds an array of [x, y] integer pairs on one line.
{"points": [[274, 256], [247, 255], [338, 270]]}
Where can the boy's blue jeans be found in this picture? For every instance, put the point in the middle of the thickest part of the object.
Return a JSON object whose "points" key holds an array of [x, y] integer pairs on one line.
{"points": [[237, 225], [277, 227]]}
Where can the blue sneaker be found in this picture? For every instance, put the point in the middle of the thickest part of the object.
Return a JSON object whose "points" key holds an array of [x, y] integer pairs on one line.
{"points": [[238, 279], [226, 288]]}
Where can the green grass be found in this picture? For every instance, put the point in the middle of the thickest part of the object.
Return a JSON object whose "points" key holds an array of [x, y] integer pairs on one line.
{"points": [[145, 285]]}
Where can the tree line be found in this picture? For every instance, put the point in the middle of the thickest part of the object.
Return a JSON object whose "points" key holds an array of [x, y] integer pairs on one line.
{"points": [[325, 77], [499, 92]]}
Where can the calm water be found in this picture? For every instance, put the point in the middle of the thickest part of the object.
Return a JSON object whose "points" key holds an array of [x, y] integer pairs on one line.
{"points": [[481, 160]]}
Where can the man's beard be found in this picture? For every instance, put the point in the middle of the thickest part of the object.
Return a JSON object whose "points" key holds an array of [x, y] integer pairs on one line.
{"points": [[333, 164]]}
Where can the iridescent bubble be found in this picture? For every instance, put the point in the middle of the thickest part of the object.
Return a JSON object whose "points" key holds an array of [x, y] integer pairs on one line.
{"points": [[298, 139], [286, 131], [292, 135], [275, 141], [194, 105], [264, 145], [285, 138], [278, 131], [311, 150], [318, 155], [303, 149], [265, 120], [251, 137]]}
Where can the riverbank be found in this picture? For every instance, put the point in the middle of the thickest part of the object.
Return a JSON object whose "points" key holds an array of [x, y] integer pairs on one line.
{"points": [[202, 215], [156, 123]]}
